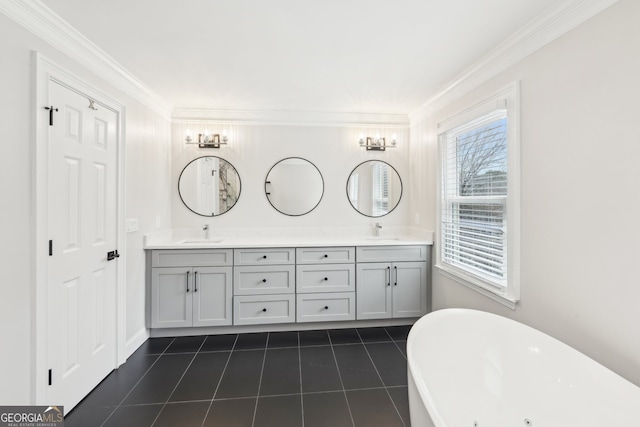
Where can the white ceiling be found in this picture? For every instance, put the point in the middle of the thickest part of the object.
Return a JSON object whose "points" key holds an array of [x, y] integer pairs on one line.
{"points": [[361, 56]]}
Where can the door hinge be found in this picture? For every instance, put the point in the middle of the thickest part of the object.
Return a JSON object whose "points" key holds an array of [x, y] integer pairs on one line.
{"points": [[50, 247], [50, 376], [51, 110]]}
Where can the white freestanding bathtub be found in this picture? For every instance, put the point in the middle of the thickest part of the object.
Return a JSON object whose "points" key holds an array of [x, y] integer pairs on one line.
{"points": [[469, 368]]}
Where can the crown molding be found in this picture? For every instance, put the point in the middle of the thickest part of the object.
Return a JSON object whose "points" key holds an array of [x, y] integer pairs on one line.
{"points": [[555, 22], [290, 118], [37, 18]]}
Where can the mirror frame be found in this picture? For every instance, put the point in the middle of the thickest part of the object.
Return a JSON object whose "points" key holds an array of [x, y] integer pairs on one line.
{"points": [[399, 179], [197, 213], [266, 181]]}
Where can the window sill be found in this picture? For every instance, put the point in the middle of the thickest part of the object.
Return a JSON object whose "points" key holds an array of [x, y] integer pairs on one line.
{"points": [[488, 292]]}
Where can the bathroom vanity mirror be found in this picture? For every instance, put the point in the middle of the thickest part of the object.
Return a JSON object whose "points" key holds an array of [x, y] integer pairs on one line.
{"points": [[374, 188], [209, 186], [294, 186]]}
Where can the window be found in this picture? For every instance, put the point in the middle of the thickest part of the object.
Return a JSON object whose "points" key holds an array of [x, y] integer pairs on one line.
{"points": [[479, 213], [380, 185]]}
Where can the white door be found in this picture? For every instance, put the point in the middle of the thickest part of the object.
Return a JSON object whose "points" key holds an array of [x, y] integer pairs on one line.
{"points": [[82, 226]]}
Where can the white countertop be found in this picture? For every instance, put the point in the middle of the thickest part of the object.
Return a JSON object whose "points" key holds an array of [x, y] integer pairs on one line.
{"points": [[279, 238]]}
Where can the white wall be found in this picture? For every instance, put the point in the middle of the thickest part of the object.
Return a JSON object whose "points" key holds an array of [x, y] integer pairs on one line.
{"points": [[254, 149], [147, 188], [148, 199], [580, 151]]}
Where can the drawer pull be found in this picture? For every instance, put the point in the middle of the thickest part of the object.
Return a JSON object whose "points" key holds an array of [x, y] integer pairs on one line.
{"points": [[264, 257], [395, 270], [326, 307], [264, 310], [195, 281], [326, 256], [326, 278], [264, 280], [388, 276], [188, 281]]}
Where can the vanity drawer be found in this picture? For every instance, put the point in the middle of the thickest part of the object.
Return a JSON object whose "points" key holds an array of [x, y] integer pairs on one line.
{"points": [[391, 253], [325, 278], [262, 309], [267, 279], [326, 307], [325, 255], [192, 257], [264, 256]]}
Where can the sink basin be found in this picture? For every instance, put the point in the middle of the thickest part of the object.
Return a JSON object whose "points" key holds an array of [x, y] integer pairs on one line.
{"points": [[200, 241]]}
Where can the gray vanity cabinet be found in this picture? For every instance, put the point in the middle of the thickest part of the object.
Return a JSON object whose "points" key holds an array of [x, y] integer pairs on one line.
{"points": [[264, 286], [184, 295], [258, 286], [325, 284], [391, 289]]}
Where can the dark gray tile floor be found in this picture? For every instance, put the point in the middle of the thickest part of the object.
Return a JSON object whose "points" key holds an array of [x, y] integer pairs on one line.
{"points": [[334, 378]]}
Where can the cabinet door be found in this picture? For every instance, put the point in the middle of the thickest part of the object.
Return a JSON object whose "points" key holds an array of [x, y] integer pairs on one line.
{"points": [[409, 289], [171, 297], [373, 291], [212, 296]]}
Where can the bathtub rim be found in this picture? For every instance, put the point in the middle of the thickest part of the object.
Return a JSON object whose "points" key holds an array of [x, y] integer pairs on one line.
{"points": [[419, 384]]}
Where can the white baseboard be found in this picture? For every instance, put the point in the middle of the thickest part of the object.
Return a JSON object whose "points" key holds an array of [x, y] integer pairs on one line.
{"points": [[135, 342]]}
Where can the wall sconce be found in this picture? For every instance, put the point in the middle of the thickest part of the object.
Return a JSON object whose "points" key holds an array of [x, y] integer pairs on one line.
{"points": [[377, 143], [207, 140]]}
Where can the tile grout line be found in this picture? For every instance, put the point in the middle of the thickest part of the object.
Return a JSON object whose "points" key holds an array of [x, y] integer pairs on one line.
{"points": [[400, 350], [380, 376], [220, 380], [138, 382], [335, 359], [300, 372], [179, 381], [264, 358], [396, 343]]}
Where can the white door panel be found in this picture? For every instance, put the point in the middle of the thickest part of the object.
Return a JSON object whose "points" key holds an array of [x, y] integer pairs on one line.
{"points": [[82, 223]]}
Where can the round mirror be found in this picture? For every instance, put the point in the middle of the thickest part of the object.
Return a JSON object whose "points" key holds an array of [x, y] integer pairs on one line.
{"points": [[294, 186], [209, 186], [374, 188]]}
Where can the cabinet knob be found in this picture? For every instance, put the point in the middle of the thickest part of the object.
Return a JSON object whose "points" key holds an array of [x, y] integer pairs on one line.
{"points": [[326, 278], [326, 256], [264, 257], [264, 280], [264, 310], [326, 307]]}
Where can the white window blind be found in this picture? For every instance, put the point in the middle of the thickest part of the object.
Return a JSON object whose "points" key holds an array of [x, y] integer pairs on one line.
{"points": [[474, 198], [380, 186], [354, 185]]}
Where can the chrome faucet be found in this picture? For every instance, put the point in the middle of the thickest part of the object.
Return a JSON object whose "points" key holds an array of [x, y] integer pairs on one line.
{"points": [[206, 231], [377, 228]]}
